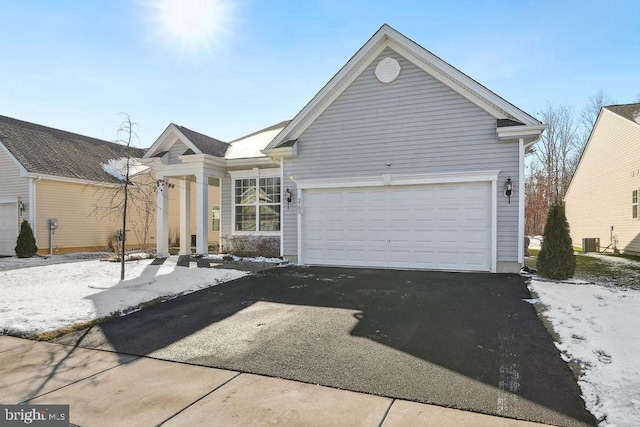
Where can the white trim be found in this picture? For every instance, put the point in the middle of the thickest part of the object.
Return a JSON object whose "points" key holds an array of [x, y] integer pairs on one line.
{"points": [[32, 204], [494, 226], [250, 173], [299, 206], [72, 180], [23, 171], [389, 179], [163, 140], [521, 196], [255, 174], [282, 200], [441, 70], [9, 199]]}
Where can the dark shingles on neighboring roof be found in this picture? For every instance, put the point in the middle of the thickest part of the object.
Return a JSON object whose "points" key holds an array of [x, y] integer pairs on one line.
{"points": [[205, 143], [508, 122], [274, 127], [628, 111], [44, 150]]}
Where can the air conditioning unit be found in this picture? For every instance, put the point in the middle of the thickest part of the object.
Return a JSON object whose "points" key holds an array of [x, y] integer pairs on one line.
{"points": [[590, 244]]}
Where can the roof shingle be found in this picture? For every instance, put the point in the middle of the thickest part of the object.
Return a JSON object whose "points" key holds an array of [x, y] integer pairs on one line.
{"points": [[628, 111], [45, 150]]}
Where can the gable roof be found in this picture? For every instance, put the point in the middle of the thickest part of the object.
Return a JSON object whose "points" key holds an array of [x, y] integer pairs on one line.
{"points": [[250, 146], [204, 143], [428, 62], [628, 111], [48, 151], [245, 147]]}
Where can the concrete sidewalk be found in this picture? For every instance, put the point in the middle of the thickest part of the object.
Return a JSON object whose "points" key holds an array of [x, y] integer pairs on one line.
{"points": [[111, 389]]}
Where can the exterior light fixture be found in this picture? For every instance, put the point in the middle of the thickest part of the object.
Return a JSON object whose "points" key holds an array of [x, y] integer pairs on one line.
{"points": [[508, 189], [21, 206], [288, 196]]}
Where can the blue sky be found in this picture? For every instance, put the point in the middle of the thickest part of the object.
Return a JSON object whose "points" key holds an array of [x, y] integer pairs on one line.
{"points": [[239, 66]]}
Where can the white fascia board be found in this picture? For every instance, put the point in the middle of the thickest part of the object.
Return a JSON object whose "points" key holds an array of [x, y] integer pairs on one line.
{"points": [[394, 179], [347, 74], [23, 171], [164, 142], [281, 152], [255, 172], [252, 162], [516, 132], [205, 159], [458, 81], [39, 176]]}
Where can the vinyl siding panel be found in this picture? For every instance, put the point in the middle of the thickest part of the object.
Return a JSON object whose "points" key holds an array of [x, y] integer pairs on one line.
{"points": [[12, 185], [418, 125], [72, 205], [600, 193], [176, 151]]}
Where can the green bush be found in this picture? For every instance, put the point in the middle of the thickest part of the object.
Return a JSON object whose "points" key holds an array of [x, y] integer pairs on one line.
{"points": [[26, 243], [556, 259]]}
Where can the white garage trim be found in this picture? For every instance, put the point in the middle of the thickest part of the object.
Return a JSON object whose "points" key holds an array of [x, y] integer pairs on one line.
{"points": [[490, 176], [392, 179], [8, 225]]}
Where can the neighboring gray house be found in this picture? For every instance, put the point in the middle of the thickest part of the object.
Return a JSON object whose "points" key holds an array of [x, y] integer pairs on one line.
{"points": [[400, 161], [602, 199]]}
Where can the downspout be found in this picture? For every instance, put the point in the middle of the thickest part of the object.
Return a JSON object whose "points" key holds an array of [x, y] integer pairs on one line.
{"points": [[521, 196], [282, 198], [32, 203]]}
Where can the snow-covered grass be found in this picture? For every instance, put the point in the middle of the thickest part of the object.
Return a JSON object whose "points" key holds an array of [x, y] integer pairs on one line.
{"points": [[598, 327], [41, 295]]}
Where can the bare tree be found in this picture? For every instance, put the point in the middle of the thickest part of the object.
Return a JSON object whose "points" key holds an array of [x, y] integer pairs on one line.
{"points": [[592, 108], [132, 201]]}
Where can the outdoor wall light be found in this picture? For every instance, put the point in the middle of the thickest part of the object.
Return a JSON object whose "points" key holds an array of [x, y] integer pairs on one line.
{"points": [[288, 196], [21, 206], [508, 189]]}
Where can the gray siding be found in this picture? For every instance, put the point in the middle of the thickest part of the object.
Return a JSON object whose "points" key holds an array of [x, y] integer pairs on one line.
{"points": [[226, 208], [12, 185], [417, 124], [176, 151]]}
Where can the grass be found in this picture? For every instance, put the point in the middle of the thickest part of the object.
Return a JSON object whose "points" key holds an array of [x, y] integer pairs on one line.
{"points": [[593, 269]]}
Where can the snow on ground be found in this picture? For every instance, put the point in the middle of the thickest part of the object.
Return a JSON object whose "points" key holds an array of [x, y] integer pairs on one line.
{"points": [[599, 328], [64, 291]]}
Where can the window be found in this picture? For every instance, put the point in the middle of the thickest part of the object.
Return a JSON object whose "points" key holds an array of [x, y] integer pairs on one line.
{"points": [[257, 204], [634, 204], [215, 218]]}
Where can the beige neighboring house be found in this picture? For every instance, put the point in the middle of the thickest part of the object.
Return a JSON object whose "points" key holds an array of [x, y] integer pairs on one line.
{"points": [[602, 199], [47, 173]]}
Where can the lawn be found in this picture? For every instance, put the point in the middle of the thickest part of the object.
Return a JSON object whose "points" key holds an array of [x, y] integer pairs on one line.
{"points": [[618, 269]]}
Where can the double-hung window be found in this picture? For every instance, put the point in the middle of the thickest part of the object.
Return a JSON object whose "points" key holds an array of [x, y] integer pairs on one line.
{"points": [[257, 204], [634, 204]]}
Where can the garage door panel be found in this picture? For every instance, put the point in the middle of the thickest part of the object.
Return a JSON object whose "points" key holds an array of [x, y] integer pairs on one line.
{"points": [[446, 226]]}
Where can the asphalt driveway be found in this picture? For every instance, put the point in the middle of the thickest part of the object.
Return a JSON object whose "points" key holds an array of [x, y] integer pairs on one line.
{"points": [[459, 340]]}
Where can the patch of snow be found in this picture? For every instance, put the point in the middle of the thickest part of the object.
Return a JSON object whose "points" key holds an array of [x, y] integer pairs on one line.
{"points": [[599, 328], [259, 259], [251, 146], [613, 259], [43, 298], [117, 167], [535, 242], [531, 301]]}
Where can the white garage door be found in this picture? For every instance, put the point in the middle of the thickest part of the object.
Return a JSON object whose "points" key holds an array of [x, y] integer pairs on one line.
{"points": [[8, 228], [439, 227]]}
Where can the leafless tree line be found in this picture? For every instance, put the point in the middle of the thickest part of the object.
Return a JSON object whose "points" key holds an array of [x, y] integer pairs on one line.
{"points": [[553, 160]]}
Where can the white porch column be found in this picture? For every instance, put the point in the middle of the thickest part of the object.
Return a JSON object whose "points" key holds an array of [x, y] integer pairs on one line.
{"points": [[202, 213], [162, 219], [185, 217]]}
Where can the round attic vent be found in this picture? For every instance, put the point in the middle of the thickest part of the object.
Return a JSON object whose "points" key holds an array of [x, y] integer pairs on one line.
{"points": [[387, 70]]}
